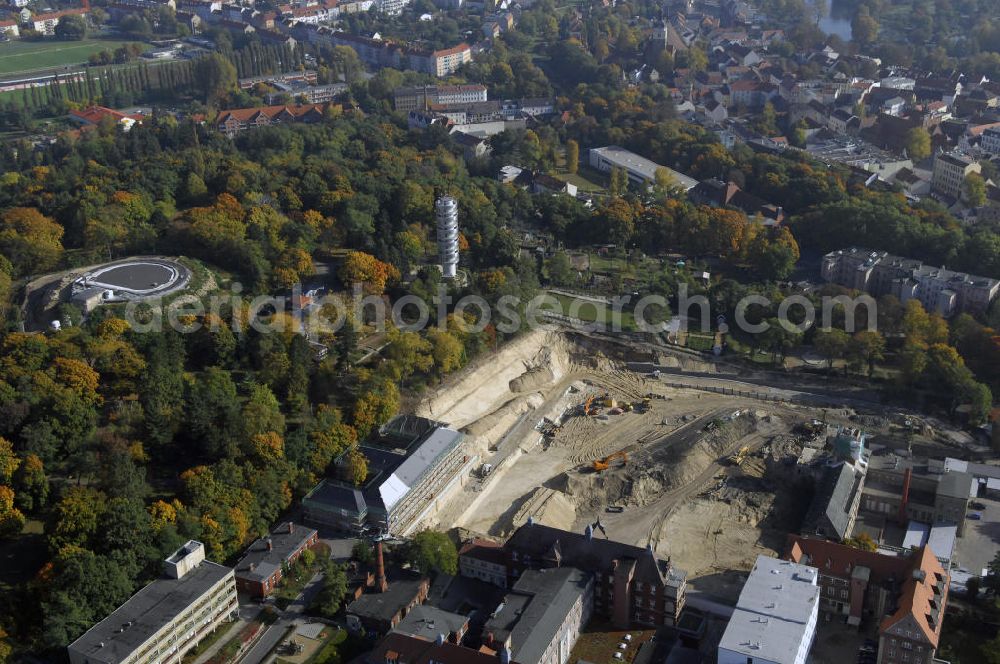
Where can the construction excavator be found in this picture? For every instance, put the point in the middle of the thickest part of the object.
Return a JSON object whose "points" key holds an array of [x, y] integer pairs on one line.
{"points": [[738, 458], [600, 465]]}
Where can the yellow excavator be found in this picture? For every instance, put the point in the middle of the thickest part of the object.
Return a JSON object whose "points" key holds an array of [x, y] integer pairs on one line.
{"points": [[740, 456], [600, 465]]}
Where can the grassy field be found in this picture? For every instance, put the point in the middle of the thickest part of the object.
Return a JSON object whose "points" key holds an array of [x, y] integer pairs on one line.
{"points": [[588, 311], [24, 56]]}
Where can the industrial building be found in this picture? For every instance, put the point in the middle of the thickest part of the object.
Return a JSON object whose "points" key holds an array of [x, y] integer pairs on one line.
{"points": [[414, 465], [632, 586], [641, 171], [260, 569], [939, 290], [775, 618], [834, 508], [167, 618], [904, 489], [383, 605]]}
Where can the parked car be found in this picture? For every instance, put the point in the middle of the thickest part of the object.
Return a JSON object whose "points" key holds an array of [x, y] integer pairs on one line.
{"points": [[614, 509], [976, 516], [976, 505]]}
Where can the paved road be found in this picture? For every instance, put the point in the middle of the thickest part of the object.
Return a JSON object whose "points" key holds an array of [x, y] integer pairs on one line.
{"points": [[271, 638]]}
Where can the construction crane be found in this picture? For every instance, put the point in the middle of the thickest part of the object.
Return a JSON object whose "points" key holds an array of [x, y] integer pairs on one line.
{"points": [[600, 465]]}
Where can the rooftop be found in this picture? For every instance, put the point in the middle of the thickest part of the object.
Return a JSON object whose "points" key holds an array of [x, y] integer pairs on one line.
{"points": [[772, 615], [267, 554], [533, 612], [133, 623], [429, 622], [537, 544], [645, 167], [403, 588]]}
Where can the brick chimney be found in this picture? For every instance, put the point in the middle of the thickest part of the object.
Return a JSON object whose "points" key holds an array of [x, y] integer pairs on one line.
{"points": [[381, 583], [905, 499]]}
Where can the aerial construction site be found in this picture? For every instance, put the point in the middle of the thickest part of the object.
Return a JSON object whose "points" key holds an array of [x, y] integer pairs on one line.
{"points": [[661, 448]]}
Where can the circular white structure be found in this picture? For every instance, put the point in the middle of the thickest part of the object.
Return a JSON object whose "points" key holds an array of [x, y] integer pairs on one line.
{"points": [[129, 280], [446, 210]]}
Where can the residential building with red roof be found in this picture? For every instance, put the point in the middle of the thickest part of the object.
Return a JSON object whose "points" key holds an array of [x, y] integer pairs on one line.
{"points": [[10, 29], [93, 115], [905, 595], [46, 23], [483, 559], [233, 121]]}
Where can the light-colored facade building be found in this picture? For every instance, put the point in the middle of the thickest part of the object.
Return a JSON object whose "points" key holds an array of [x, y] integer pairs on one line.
{"points": [[640, 170], [164, 620], [421, 98], [939, 290], [10, 29], [950, 171], [542, 616], [484, 560], [990, 141], [775, 618]]}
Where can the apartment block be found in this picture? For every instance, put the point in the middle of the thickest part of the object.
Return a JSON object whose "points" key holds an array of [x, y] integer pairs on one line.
{"points": [[423, 97], [950, 171], [164, 620], [939, 290]]}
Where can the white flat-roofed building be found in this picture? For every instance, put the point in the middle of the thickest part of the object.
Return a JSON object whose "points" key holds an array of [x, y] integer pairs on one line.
{"points": [[640, 170], [775, 617], [164, 620]]}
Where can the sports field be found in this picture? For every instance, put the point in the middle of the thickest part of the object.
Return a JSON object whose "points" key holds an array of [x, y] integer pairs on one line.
{"points": [[18, 57]]}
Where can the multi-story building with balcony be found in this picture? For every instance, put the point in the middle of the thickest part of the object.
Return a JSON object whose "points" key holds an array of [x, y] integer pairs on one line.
{"points": [[950, 171], [939, 290], [164, 620]]}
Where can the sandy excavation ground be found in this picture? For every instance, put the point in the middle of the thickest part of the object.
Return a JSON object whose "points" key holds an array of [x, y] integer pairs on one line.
{"points": [[678, 489]]}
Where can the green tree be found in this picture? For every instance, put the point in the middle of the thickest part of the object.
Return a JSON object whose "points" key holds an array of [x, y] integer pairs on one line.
{"points": [[572, 156], [917, 144], [214, 77], [864, 27], [357, 466], [432, 552], [331, 597], [71, 27], [832, 344], [974, 190], [866, 348]]}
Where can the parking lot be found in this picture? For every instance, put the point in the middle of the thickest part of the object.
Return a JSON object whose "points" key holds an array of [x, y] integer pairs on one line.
{"points": [[981, 541]]}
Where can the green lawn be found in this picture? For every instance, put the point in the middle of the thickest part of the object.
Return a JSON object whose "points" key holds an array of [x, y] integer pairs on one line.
{"points": [[589, 312], [26, 56]]}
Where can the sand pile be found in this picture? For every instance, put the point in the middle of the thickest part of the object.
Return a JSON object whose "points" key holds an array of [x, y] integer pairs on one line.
{"points": [[655, 470]]}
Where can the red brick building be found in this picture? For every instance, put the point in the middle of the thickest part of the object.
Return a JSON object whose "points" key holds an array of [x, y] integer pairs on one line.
{"points": [[262, 566], [905, 595]]}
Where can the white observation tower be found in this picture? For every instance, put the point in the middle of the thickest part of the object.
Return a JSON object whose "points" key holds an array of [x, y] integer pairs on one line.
{"points": [[446, 210]]}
